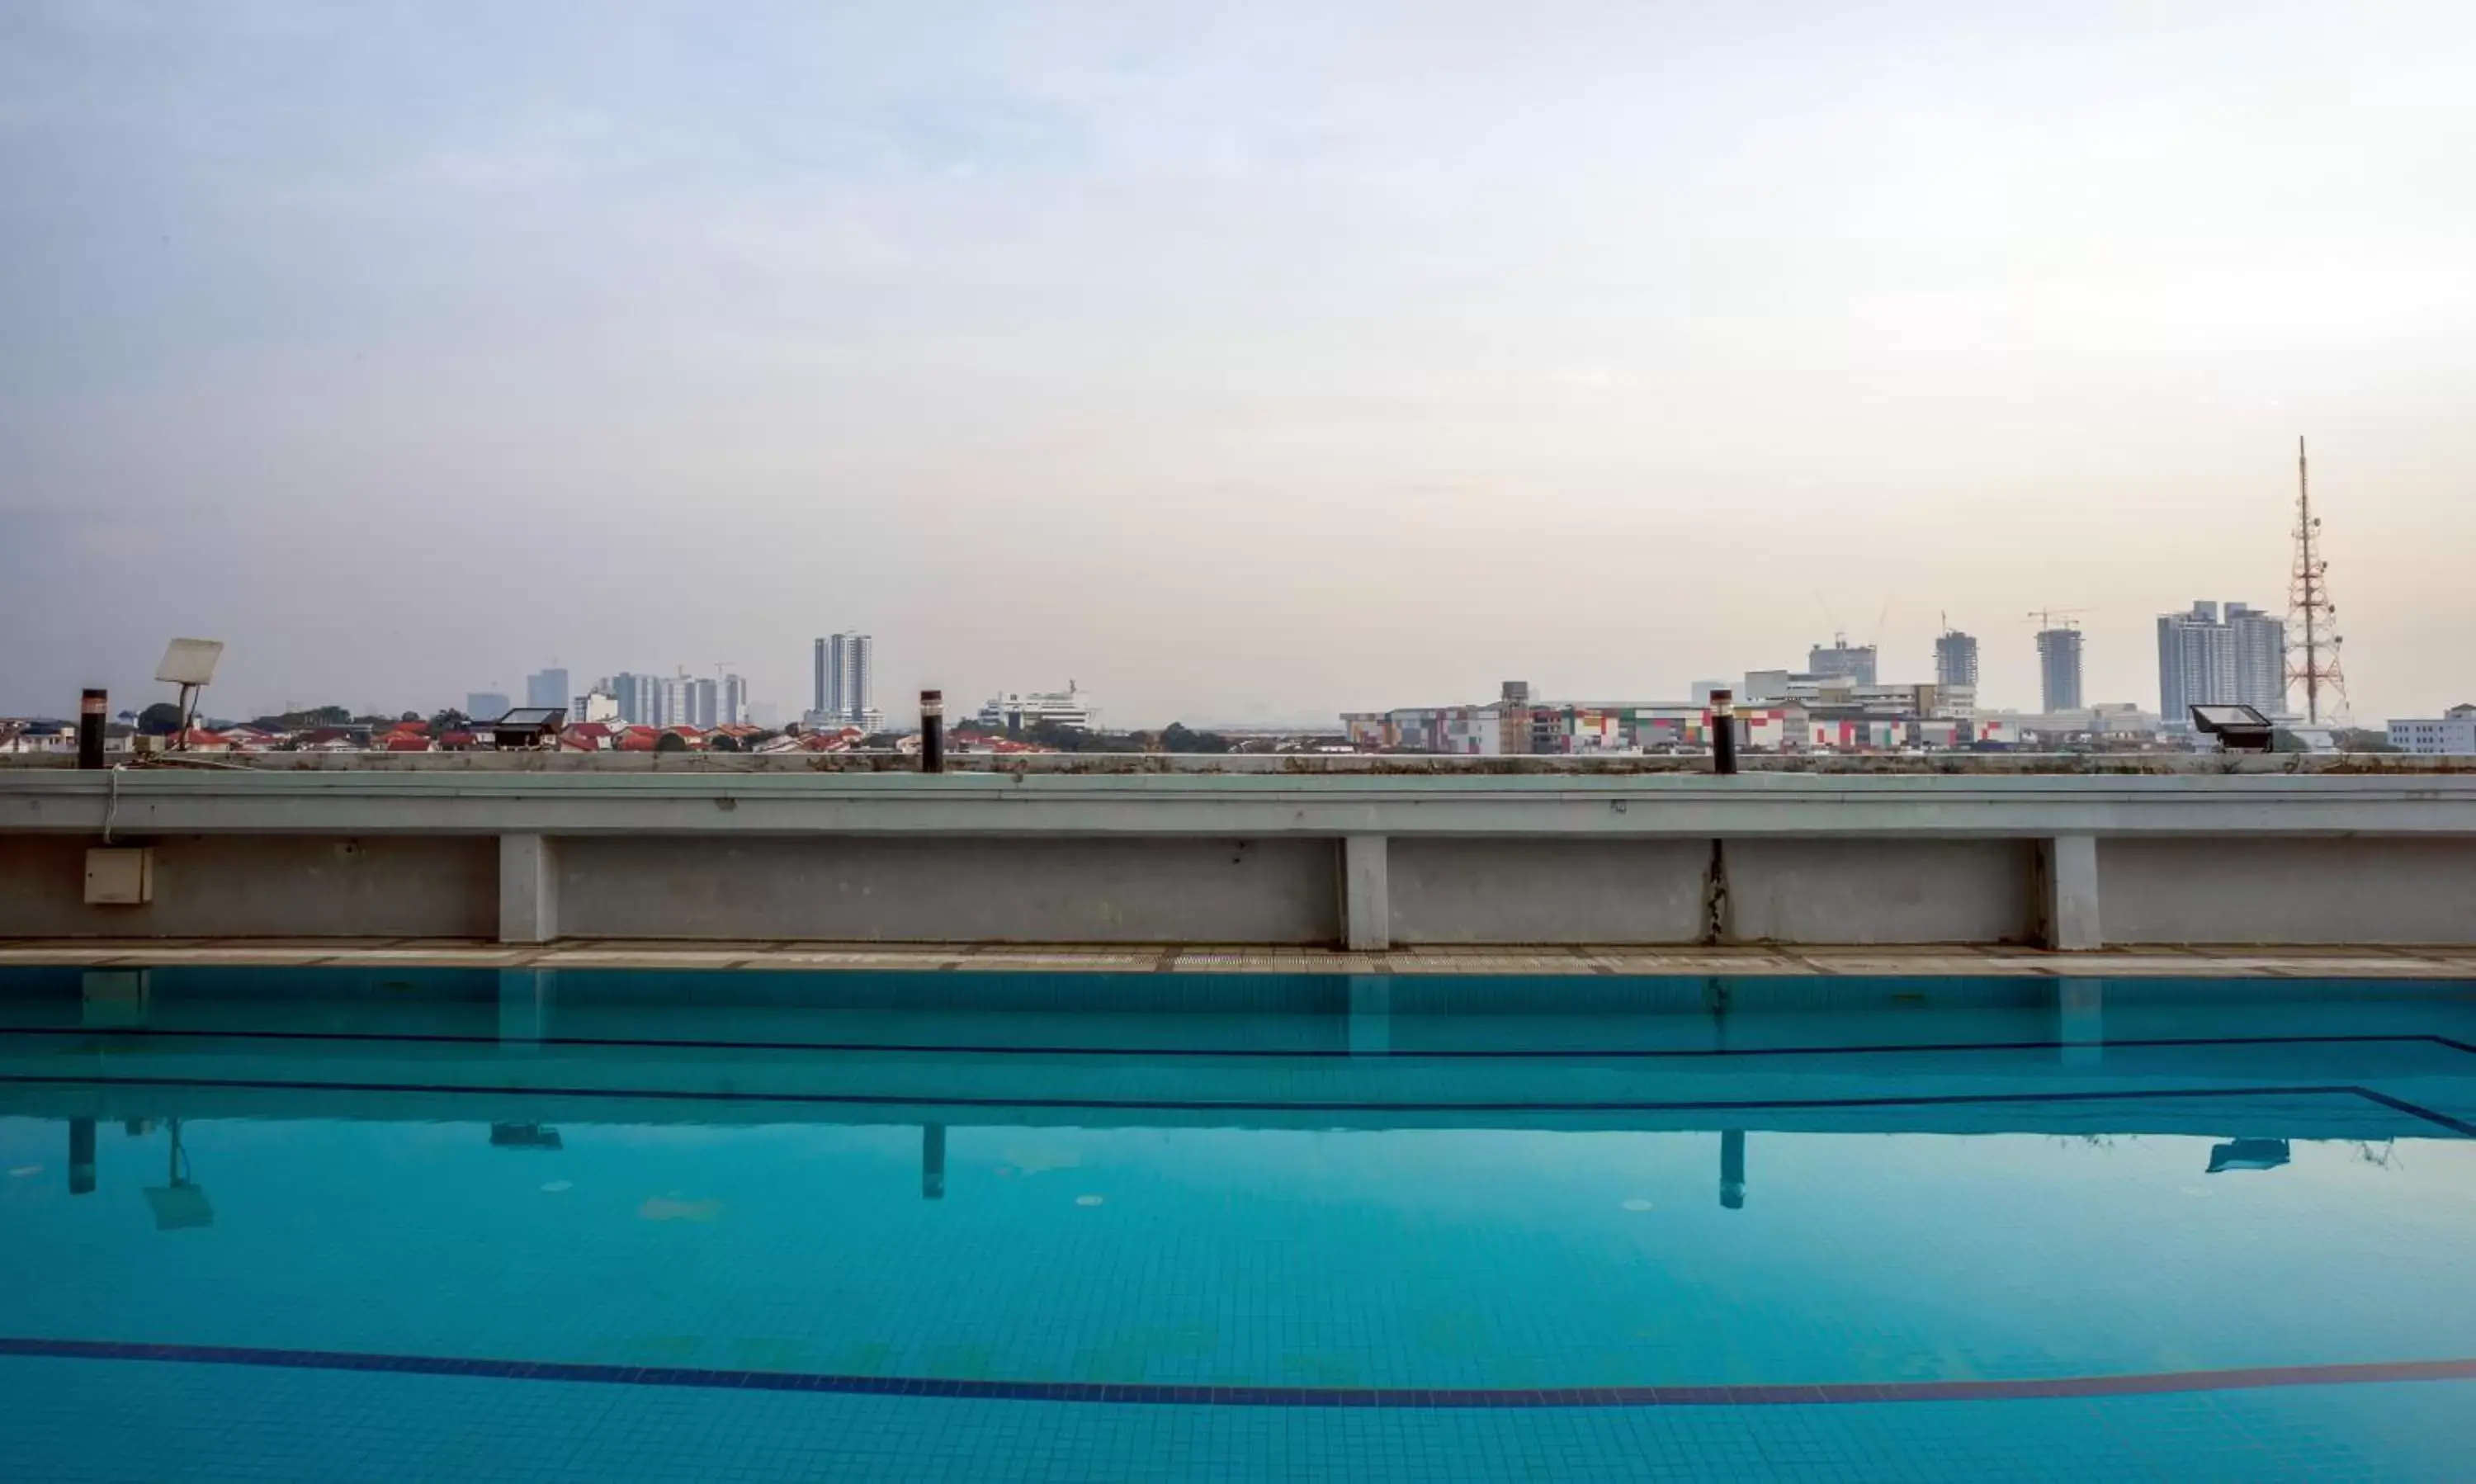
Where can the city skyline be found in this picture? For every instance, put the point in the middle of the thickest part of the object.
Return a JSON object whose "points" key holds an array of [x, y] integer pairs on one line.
{"points": [[1241, 362], [2244, 663]]}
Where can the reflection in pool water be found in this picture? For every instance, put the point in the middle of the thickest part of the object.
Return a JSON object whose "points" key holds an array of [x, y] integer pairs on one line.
{"points": [[1278, 1195]]}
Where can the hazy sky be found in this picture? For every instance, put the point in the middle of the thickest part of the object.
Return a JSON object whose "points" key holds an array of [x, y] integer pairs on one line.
{"points": [[1272, 357]]}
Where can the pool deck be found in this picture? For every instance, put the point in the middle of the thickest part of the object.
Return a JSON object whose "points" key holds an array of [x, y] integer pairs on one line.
{"points": [[1956, 959]]}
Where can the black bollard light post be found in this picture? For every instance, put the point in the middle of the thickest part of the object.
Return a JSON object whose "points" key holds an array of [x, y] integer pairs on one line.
{"points": [[91, 706], [1724, 732], [932, 731]]}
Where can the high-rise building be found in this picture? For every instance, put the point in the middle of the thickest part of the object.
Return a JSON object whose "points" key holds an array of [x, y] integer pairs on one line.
{"points": [[2059, 670], [547, 687], [1856, 662], [702, 705], [734, 702], [855, 662], [689, 711], [671, 703], [2261, 658], [485, 705], [2206, 660], [1955, 659], [639, 698], [846, 680]]}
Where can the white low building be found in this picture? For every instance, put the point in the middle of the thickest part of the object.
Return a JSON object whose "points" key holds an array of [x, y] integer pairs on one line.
{"points": [[1017, 710], [2452, 733]]}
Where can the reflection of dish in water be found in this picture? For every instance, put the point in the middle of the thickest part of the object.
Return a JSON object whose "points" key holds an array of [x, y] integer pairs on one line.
{"points": [[664, 1208]]}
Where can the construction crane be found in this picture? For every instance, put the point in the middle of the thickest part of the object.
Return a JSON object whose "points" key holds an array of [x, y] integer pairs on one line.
{"points": [[2045, 617]]}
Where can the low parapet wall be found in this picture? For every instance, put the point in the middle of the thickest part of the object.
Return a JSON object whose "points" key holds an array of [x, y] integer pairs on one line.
{"points": [[2066, 859]]}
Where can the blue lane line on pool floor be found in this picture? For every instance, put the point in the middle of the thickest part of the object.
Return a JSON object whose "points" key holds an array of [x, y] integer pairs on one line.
{"points": [[1391, 1397], [1185, 1105], [1334, 1052]]}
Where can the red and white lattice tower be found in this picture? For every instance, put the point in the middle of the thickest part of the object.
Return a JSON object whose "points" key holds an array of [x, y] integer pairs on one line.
{"points": [[2311, 621]]}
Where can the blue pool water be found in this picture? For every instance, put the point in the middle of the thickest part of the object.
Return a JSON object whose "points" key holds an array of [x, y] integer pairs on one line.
{"points": [[642, 1226]]}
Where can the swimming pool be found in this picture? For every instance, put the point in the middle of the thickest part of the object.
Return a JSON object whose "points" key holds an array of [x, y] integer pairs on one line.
{"points": [[370, 1223]]}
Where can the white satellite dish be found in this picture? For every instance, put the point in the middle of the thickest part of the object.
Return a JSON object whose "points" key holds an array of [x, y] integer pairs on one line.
{"points": [[191, 664]]}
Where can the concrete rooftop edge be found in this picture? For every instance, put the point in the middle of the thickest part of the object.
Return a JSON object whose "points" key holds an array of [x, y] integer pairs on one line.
{"points": [[168, 800], [1924, 961], [1286, 765], [260, 784]]}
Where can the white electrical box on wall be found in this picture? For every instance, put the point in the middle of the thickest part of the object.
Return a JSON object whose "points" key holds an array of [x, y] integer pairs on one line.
{"points": [[120, 876]]}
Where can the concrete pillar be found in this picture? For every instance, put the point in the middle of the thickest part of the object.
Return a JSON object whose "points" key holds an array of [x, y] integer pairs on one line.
{"points": [[2069, 886], [527, 889], [933, 1161], [1370, 1015], [1366, 894], [1732, 1169]]}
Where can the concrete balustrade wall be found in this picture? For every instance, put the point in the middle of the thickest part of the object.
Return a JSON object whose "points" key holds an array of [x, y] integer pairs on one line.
{"points": [[1884, 890], [995, 889], [1587, 890], [2072, 861], [2173, 890], [261, 886]]}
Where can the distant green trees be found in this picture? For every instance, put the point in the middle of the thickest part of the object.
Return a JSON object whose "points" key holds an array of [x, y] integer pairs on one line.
{"points": [[307, 719], [1175, 737]]}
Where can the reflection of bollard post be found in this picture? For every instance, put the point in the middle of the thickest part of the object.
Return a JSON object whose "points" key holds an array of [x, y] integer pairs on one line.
{"points": [[1723, 731], [932, 1162], [1732, 1169], [932, 731], [91, 706], [80, 1156]]}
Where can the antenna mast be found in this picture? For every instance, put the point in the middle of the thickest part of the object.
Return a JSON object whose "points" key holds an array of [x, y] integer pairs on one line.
{"points": [[2309, 609]]}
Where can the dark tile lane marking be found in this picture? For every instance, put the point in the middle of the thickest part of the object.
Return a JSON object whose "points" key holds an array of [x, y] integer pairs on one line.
{"points": [[1399, 1399], [1222, 1105], [2456, 1125]]}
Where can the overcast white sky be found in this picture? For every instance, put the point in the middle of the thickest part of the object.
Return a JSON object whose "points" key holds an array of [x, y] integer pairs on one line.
{"points": [[1272, 358]]}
